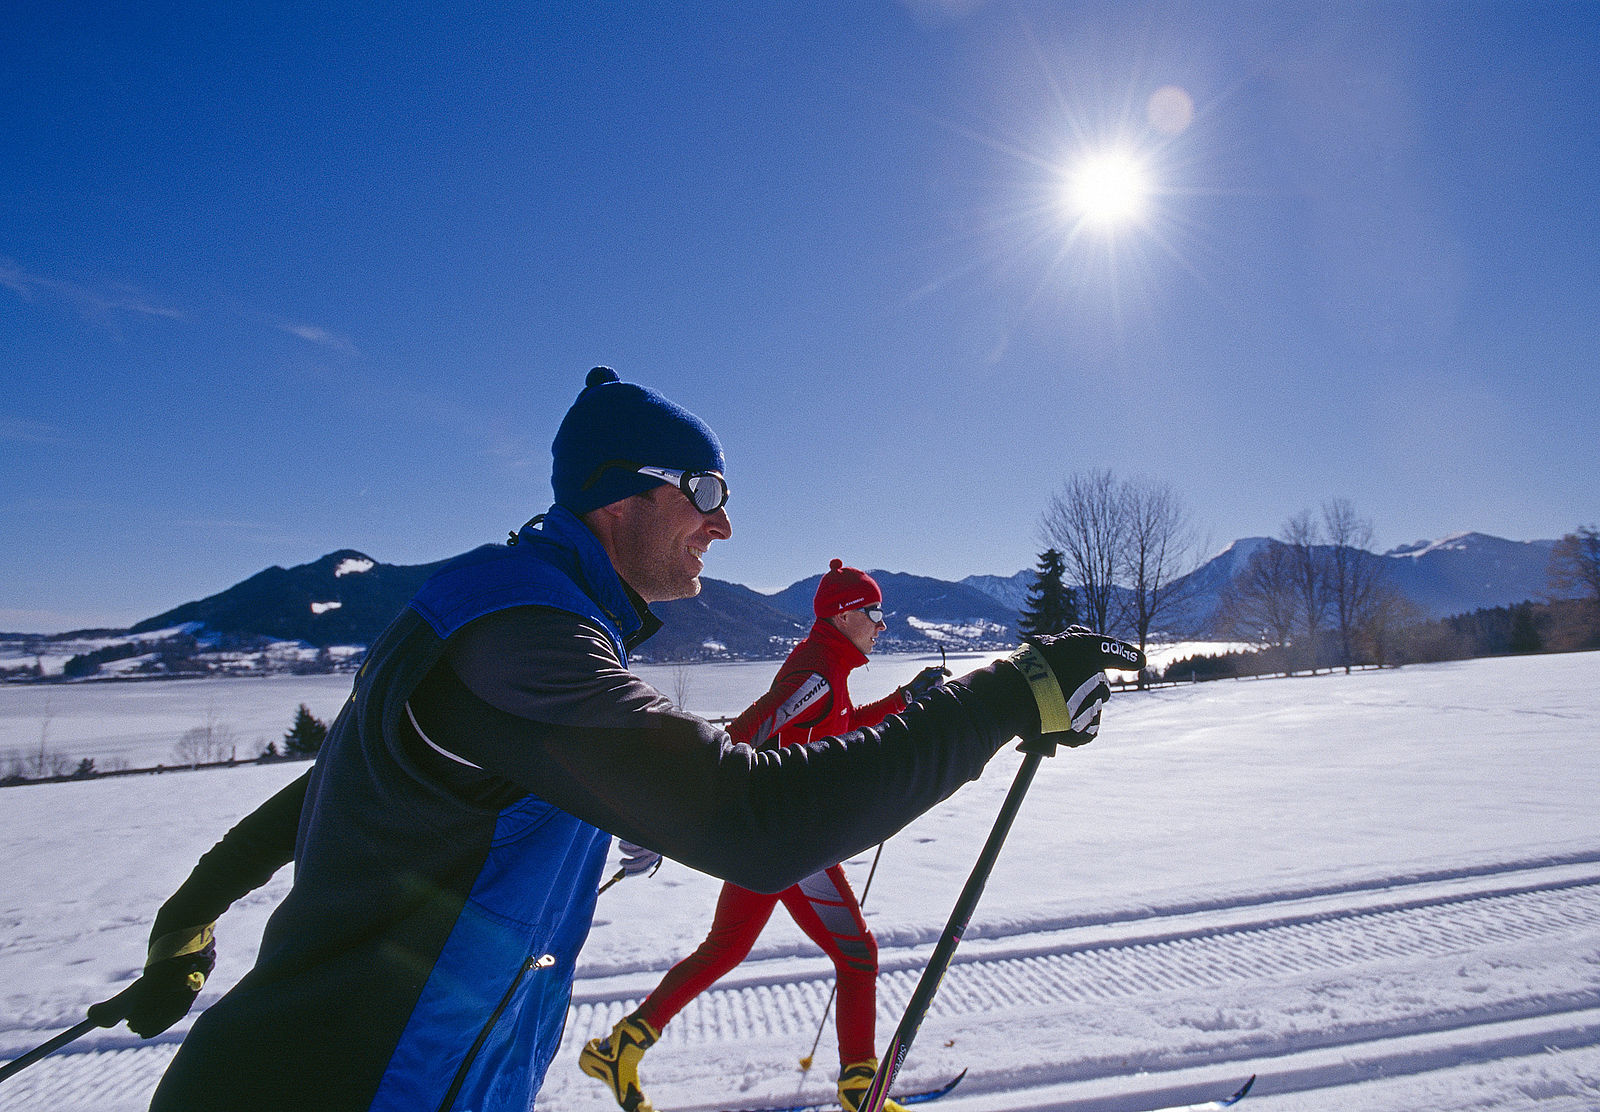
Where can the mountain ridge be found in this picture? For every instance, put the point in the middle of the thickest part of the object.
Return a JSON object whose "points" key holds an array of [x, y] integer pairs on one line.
{"points": [[346, 598]]}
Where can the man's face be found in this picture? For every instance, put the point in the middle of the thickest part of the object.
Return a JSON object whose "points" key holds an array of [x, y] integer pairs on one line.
{"points": [[862, 630], [660, 543]]}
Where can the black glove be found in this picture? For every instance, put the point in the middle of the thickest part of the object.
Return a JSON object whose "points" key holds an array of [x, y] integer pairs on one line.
{"points": [[173, 976], [1065, 672], [926, 680]]}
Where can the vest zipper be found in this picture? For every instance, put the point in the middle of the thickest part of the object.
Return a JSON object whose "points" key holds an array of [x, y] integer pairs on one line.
{"points": [[544, 961]]}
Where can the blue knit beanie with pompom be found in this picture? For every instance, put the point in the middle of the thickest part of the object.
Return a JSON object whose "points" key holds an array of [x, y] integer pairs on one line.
{"points": [[622, 423]]}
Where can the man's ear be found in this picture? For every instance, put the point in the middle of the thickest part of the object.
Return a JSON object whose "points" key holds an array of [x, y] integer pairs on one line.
{"points": [[602, 520]]}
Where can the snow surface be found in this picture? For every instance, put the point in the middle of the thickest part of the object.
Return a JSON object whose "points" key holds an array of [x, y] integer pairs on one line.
{"points": [[1380, 892]]}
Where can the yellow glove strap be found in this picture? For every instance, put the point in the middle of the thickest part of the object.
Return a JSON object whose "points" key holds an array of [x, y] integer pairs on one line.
{"points": [[175, 944], [1053, 716]]}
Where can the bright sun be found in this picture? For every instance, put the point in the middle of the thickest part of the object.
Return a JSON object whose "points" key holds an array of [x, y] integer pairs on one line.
{"points": [[1108, 190]]}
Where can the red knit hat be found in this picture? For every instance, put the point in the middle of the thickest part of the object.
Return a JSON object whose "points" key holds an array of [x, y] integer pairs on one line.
{"points": [[844, 589]]}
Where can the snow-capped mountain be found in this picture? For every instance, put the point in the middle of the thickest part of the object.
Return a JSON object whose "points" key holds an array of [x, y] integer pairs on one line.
{"points": [[346, 598], [1469, 571]]}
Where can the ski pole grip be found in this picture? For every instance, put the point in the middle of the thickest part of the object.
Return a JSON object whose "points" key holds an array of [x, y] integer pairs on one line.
{"points": [[1044, 745], [109, 1013]]}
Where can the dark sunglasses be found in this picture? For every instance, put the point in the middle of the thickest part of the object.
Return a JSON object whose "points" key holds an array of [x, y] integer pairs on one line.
{"points": [[874, 614], [706, 490]]}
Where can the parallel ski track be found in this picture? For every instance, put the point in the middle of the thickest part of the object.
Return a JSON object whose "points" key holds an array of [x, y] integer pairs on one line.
{"points": [[1276, 937], [1035, 973]]}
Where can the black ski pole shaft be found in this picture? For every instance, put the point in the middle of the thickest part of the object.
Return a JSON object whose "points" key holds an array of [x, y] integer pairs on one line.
{"points": [[966, 903], [618, 875], [21, 1063], [109, 1013]]}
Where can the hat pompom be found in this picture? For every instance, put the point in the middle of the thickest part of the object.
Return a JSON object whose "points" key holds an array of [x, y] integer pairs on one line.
{"points": [[600, 376]]}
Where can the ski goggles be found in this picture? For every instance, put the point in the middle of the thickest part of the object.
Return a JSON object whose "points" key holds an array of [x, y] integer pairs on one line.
{"points": [[874, 614], [706, 490]]}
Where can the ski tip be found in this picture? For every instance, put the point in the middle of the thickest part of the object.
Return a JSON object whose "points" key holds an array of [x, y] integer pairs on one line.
{"points": [[932, 1094], [1243, 1089]]}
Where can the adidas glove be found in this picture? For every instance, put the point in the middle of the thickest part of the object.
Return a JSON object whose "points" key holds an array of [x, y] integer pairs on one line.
{"points": [[924, 682], [637, 859], [1066, 674], [174, 973]]}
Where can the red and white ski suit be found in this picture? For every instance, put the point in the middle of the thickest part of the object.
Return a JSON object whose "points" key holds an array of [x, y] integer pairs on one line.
{"points": [[809, 698]]}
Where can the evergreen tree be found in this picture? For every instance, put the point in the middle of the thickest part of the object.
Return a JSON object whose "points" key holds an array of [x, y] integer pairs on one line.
{"points": [[1524, 631], [1051, 605], [305, 737]]}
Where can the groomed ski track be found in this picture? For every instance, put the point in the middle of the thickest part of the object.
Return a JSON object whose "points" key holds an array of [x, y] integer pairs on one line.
{"points": [[1486, 964], [1516, 948], [1526, 921]]}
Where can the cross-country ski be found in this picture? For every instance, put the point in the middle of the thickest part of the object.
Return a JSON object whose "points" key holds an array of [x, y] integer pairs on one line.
{"points": [[1222, 1102], [922, 1097]]}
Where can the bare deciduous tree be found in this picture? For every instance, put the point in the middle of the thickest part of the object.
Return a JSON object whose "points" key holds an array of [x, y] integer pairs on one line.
{"points": [[1575, 564], [1262, 602], [1352, 572], [1087, 522], [1389, 615], [1158, 552], [1302, 535], [207, 743], [44, 761], [681, 679]]}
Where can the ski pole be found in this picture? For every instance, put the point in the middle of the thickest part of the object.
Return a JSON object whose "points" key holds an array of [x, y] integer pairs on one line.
{"points": [[108, 1013], [805, 1063], [32, 1056], [623, 872], [616, 876], [966, 903]]}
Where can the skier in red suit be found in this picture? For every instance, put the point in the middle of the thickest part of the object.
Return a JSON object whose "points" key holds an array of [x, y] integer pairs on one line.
{"points": [[809, 698]]}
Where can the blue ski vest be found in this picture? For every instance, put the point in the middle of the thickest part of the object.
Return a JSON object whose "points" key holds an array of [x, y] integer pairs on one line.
{"points": [[423, 959], [529, 910]]}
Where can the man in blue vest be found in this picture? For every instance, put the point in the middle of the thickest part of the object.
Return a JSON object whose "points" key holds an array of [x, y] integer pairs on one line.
{"points": [[450, 838]]}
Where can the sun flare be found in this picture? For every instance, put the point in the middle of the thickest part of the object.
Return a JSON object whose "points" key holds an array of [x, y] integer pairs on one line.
{"points": [[1109, 189]]}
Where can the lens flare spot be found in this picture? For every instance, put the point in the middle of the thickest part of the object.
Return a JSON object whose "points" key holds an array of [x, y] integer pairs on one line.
{"points": [[1170, 110]]}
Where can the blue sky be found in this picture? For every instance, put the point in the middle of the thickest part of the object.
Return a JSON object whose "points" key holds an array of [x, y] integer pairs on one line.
{"points": [[281, 279]]}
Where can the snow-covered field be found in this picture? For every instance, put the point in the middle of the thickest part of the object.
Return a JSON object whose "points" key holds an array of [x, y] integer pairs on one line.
{"points": [[138, 723], [1380, 892]]}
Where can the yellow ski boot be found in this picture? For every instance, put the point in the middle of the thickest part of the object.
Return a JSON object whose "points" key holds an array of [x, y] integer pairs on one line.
{"points": [[615, 1060], [854, 1081]]}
